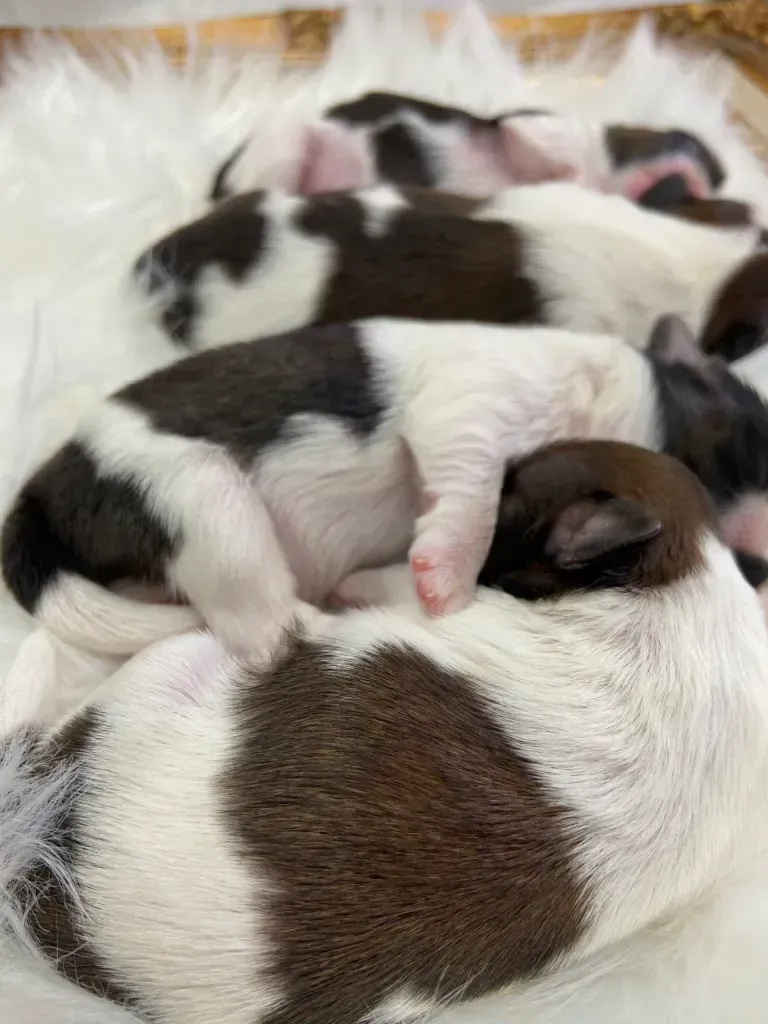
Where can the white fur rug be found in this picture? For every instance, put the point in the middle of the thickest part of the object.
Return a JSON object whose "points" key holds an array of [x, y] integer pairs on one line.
{"points": [[94, 165]]}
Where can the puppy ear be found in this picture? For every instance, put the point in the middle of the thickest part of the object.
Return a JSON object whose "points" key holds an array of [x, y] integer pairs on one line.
{"points": [[672, 342], [590, 529], [542, 147]]}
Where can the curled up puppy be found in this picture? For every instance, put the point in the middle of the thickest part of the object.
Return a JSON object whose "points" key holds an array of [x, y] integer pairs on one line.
{"points": [[399, 813], [551, 254], [243, 478]]}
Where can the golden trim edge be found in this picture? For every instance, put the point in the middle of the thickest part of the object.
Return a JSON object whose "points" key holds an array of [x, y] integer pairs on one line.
{"points": [[737, 28]]}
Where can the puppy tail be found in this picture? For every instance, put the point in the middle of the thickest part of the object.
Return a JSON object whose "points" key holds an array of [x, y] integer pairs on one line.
{"points": [[89, 616], [43, 574]]}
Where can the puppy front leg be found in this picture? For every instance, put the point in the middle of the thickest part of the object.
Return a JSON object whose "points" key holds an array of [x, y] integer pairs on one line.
{"points": [[461, 465], [231, 565]]}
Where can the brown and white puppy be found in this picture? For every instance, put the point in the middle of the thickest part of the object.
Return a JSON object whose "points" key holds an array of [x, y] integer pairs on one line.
{"points": [[386, 138], [250, 475], [398, 813], [553, 254], [247, 476]]}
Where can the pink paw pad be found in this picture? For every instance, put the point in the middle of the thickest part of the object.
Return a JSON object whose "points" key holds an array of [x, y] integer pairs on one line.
{"points": [[434, 576]]}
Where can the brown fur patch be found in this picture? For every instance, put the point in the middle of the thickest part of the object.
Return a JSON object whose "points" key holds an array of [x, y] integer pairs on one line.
{"points": [[548, 496], [738, 318], [426, 265], [411, 847], [431, 201], [724, 213]]}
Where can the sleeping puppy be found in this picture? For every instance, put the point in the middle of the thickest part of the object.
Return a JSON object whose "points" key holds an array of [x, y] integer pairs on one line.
{"points": [[398, 813], [388, 138], [246, 476], [550, 254]]}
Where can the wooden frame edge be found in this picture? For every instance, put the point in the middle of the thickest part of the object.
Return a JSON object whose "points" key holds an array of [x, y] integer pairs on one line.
{"points": [[737, 28]]}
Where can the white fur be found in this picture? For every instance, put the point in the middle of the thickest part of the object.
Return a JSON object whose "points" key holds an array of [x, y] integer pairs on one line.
{"points": [[384, 203], [461, 399], [291, 256], [169, 733], [645, 714], [169, 736], [107, 623], [605, 264], [95, 166]]}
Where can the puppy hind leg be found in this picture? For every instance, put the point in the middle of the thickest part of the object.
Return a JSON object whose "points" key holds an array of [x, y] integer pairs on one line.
{"points": [[461, 466], [231, 565]]}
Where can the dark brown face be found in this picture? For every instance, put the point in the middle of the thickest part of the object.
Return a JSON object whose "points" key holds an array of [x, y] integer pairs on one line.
{"points": [[629, 145], [738, 318], [588, 515]]}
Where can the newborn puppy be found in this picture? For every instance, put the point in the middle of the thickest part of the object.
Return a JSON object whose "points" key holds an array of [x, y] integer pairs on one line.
{"points": [[400, 813], [388, 138], [243, 477], [552, 254]]}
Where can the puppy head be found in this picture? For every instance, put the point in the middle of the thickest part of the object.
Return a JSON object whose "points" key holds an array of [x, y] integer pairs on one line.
{"points": [[641, 157], [661, 168], [717, 425], [672, 195], [589, 515]]}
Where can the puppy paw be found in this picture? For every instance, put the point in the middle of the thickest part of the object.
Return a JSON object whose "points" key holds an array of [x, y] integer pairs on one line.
{"points": [[442, 586]]}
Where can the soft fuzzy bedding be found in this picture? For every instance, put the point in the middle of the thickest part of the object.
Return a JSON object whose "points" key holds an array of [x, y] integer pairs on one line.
{"points": [[95, 164]]}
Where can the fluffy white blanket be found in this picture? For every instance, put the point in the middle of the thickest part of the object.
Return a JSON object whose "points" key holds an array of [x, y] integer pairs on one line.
{"points": [[95, 163]]}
